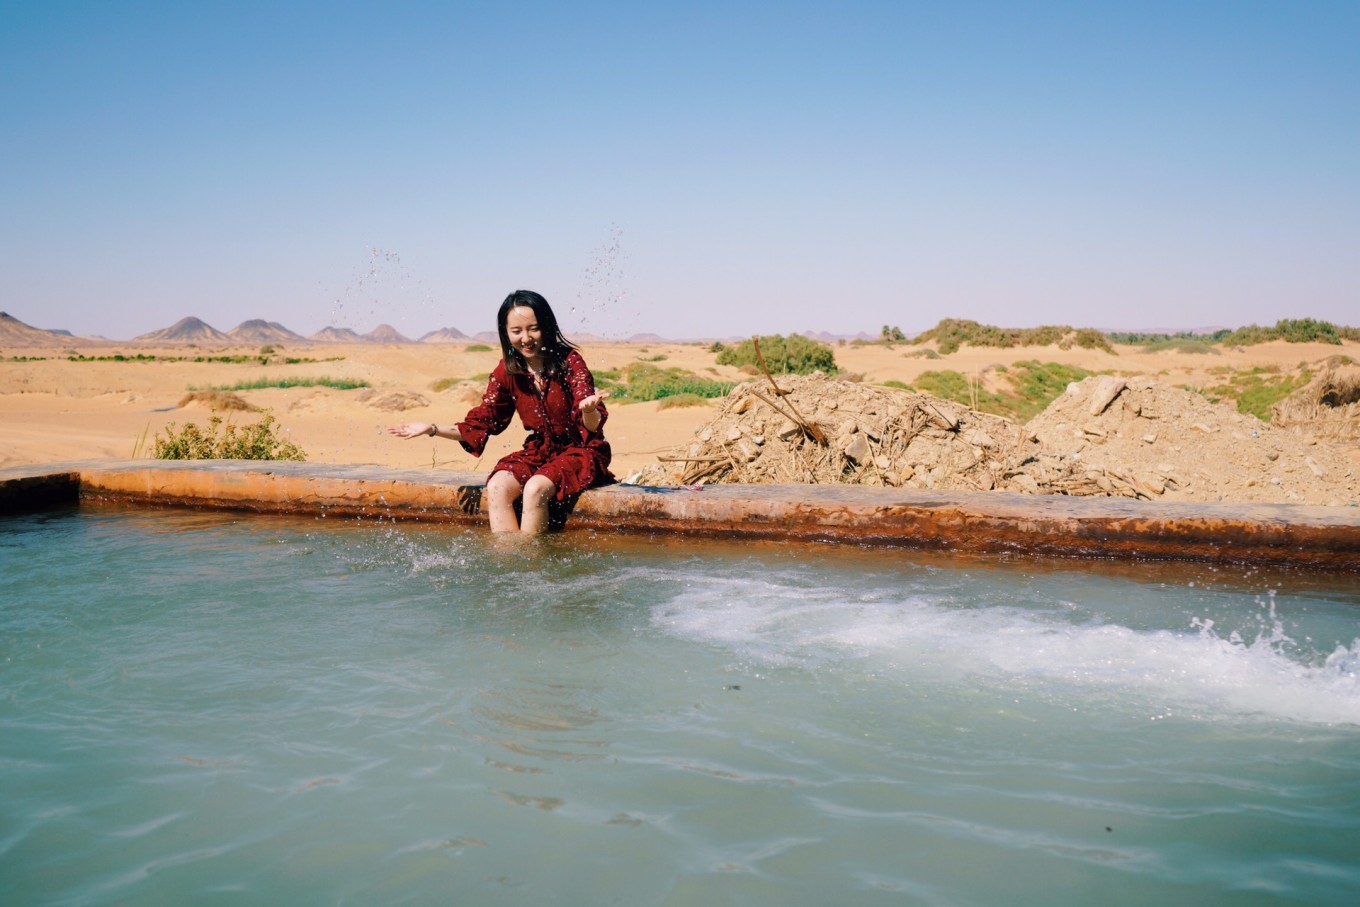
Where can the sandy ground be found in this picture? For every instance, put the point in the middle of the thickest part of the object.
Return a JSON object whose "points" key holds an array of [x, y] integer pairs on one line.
{"points": [[53, 409]]}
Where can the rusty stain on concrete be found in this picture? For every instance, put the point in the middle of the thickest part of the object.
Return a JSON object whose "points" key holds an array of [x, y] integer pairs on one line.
{"points": [[1322, 537]]}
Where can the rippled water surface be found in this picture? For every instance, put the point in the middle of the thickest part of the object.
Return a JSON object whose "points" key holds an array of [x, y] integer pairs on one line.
{"points": [[200, 708]]}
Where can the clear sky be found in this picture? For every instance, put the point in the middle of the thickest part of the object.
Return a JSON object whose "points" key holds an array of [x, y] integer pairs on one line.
{"points": [[691, 169]]}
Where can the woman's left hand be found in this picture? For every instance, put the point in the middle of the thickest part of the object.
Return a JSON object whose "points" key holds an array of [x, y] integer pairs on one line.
{"points": [[592, 403]]}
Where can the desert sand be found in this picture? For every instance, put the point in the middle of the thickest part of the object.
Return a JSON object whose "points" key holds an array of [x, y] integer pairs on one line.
{"points": [[53, 409]]}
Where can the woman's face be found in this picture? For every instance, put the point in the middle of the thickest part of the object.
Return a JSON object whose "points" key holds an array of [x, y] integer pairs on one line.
{"points": [[521, 326]]}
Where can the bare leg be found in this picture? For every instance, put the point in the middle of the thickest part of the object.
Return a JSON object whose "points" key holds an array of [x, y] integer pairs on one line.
{"points": [[502, 490], [538, 491]]}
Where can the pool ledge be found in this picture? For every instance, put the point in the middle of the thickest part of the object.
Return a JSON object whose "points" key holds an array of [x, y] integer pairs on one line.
{"points": [[1326, 537]]}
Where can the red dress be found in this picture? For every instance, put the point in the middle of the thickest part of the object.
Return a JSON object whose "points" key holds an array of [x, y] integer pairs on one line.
{"points": [[559, 445]]}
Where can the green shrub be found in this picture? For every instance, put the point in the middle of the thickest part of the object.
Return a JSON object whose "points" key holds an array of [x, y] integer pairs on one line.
{"points": [[952, 333], [1250, 335], [1038, 384], [226, 442], [1181, 345], [1091, 339], [1144, 338], [1255, 391], [642, 381], [680, 400], [1034, 385], [794, 354], [1307, 330], [1292, 330], [476, 348], [342, 384]]}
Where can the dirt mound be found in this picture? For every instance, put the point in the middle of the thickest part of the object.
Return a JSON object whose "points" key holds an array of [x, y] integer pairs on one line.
{"points": [[1327, 407], [396, 401], [827, 431], [216, 401], [1105, 436], [1173, 443]]}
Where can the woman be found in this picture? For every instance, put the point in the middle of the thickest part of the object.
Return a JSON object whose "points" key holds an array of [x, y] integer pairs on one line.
{"points": [[543, 377]]}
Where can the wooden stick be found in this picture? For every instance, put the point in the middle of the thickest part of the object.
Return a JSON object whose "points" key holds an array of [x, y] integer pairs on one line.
{"points": [[811, 430]]}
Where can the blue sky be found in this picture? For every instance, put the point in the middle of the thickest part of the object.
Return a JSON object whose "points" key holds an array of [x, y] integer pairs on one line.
{"points": [[697, 169]]}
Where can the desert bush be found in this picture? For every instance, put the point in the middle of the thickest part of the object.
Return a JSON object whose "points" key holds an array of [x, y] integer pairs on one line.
{"points": [[1091, 339], [1182, 345], [226, 442], [642, 381], [341, 384], [680, 400], [1034, 385], [794, 354], [1257, 390], [1293, 330], [1143, 338], [952, 333], [1307, 330], [1038, 384]]}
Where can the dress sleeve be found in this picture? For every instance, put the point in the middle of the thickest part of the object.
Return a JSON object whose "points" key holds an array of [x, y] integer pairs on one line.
{"points": [[491, 416], [582, 384]]}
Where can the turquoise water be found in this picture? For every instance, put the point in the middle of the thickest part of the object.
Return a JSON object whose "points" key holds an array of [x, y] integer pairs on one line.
{"points": [[205, 708]]}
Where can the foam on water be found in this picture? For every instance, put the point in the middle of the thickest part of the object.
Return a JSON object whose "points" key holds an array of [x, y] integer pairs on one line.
{"points": [[1195, 669]]}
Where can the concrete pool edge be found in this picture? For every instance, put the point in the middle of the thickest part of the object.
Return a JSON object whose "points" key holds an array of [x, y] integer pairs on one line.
{"points": [[1322, 537]]}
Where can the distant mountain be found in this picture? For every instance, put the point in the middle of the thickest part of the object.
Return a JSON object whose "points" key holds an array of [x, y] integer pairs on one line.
{"points": [[333, 334], [257, 330], [186, 330], [444, 335], [646, 338], [14, 332], [385, 333], [828, 337]]}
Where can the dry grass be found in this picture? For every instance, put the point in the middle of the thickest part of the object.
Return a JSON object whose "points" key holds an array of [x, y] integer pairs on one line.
{"points": [[1327, 407]]}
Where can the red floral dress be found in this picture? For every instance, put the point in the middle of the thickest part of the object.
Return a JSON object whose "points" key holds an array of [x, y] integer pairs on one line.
{"points": [[559, 445]]}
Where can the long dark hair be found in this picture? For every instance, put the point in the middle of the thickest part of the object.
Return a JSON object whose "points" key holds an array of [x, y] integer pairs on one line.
{"points": [[555, 346]]}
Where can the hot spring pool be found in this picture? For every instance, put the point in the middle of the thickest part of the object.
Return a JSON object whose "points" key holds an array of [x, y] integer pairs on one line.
{"points": [[206, 708]]}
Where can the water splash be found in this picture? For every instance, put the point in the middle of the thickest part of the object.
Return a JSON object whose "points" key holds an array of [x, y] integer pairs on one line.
{"points": [[602, 296], [1194, 671], [382, 290]]}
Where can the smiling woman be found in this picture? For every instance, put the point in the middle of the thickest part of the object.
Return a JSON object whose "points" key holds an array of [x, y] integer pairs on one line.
{"points": [[543, 377]]}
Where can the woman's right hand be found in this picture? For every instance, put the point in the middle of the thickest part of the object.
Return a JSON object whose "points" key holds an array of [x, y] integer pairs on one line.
{"points": [[411, 430]]}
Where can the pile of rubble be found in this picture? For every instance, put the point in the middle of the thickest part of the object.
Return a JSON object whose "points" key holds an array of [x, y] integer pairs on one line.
{"points": [[1105, 436], [1173, 443], [819, 430]]}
